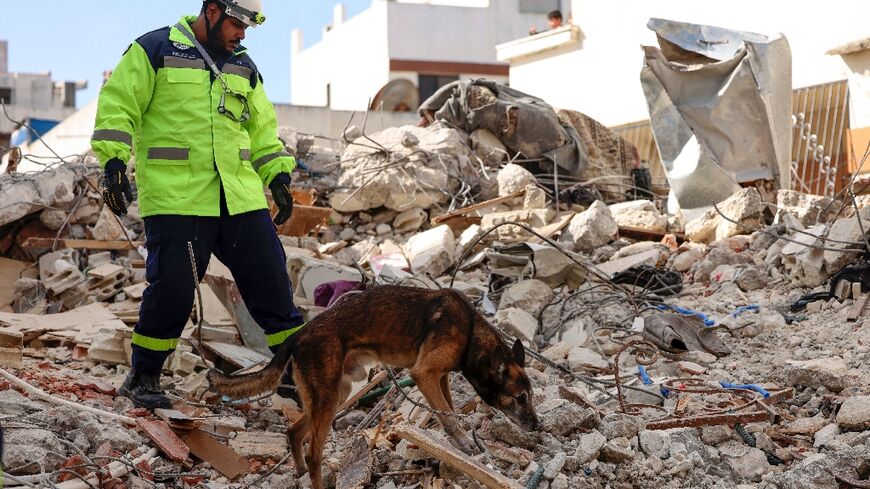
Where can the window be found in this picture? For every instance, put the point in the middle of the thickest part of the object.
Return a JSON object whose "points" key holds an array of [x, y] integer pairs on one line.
{"points": [[6, 94], [539, 6], [429, 84]]}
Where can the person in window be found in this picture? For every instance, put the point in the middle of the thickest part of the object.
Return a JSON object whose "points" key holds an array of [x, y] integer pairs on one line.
{"points": [[554, 19]]}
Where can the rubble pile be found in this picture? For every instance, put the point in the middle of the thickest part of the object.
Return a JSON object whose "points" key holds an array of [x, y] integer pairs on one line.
{"points": [[729, 351]]}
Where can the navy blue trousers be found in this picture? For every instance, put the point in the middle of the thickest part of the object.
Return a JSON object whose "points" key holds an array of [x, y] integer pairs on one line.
{"points": [[247, 244]]}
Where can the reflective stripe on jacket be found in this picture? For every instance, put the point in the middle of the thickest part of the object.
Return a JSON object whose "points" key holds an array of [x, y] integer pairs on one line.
{"points": [[161, 104]]}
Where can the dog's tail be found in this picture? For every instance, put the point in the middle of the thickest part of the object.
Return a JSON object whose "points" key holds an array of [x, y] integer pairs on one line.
{"points": [[254, 383]]}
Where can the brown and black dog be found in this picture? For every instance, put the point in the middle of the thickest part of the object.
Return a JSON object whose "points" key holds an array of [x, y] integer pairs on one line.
{"points": [[429, 332]]}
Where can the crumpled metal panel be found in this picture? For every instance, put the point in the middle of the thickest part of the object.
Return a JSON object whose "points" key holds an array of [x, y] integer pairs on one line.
{"points": [[720, 109]]}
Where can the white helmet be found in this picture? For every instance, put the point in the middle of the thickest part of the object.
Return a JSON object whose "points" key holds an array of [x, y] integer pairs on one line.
{"points": [[247, 11]]}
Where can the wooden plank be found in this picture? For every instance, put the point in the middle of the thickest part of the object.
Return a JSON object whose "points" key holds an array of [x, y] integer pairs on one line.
{"points": [[237, 355], [646, 235], [456, 459], [476, 207], [221, 457], [92, 244], [858, 308], [554, 227]]}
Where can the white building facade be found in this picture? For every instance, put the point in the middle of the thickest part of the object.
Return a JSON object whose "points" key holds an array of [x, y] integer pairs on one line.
{"points": [[33, 95], [400, 51], [594, 66]]}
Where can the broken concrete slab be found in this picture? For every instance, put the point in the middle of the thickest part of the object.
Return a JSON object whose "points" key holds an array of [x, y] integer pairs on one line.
{"points": [[432, 251], [830, 372], [854, 414], [529, 295], [744, 207], [513, 178], [518, 322], [639, 214], [260, 444], [808, 209], [368, 180], [591, 228]]}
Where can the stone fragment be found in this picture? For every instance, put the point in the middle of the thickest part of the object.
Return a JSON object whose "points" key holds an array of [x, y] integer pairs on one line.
{"points": [[825, 435], [580, 357], [535, 198], [807, 208], [513, 178], [746, 462], [555, 466], [517, 321], [534, 218], [654, 443], [561, 417], [592, 228], [108, 228], [26, 450], [486, 146], [410, 220], [846, 229], [260, 444], [528, 295], [432, 251], [745, 207], [616, 425], [639, 214], [500, 428], [589, 446], [829, 372], [854, 414], [617, 451]]}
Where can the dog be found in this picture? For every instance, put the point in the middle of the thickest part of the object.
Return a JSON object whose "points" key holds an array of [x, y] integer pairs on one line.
{"points": [[429, 332]]}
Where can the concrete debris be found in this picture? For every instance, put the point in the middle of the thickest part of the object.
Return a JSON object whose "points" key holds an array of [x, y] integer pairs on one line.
{"points": [[405, 214], [829, 372], [744, 207], [513, 178], [592, 228], [518, 322], [639, 214], [431, 251], [808, 209], [854, 414], [528, 295], [401, 177]]}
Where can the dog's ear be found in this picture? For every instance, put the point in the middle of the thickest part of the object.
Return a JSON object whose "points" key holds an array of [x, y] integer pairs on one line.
{"points": [[519, 352]]}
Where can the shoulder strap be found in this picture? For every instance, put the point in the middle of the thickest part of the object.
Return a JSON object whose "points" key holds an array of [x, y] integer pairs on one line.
{"points": [[210, 62]]}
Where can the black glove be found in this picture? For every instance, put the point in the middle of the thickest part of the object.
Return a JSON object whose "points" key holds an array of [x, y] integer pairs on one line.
{"points": [[280, 188], [116, 186]]}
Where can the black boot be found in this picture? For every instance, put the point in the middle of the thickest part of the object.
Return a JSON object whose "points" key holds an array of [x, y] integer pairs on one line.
{"points": [[144, 391]]}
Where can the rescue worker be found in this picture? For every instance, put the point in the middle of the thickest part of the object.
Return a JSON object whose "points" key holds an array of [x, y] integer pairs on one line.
{"points": [[189, 102]]}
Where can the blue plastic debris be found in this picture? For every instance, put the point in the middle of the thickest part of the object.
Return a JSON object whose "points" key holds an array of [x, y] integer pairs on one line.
{"points": [[687, 312], [740, 310], [645, 378], [753, 387]]}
